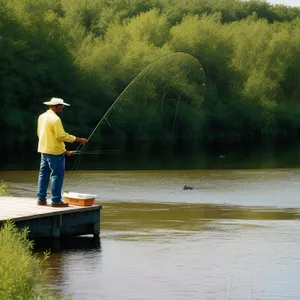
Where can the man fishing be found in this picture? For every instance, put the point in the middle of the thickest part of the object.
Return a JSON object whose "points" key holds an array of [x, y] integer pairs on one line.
{"points": [[51, 145]]}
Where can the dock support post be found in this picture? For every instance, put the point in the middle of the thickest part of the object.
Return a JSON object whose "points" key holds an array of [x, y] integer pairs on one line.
{"points": [[56, 225], [96, 229]]}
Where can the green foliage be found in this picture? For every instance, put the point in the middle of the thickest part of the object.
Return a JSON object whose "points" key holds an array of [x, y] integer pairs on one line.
{"points": [[34, 65], [3, 189], [158, 104], [230, 10], [207, 39], [21, 273], [89, 51]]}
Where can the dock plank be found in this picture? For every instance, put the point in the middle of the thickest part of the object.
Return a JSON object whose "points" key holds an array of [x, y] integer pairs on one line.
{"points": [[25, 212]]}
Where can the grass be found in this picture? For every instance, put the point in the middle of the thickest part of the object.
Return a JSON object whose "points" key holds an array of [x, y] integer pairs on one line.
{"points": [[22, 273], [3, 189]]}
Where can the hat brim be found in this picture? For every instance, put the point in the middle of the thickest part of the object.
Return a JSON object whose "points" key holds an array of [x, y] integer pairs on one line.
{"points": [[53, 104]]}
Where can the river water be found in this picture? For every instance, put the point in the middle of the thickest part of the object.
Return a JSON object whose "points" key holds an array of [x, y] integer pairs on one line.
{"points": [[235, 235]]}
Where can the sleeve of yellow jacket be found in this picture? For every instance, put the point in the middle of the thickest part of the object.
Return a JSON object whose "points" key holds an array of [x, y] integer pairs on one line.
{"points": [[60, 133], [52, 136]]}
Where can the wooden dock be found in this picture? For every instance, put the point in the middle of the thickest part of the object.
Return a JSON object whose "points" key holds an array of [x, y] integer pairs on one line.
{"points": [[47, 221]]}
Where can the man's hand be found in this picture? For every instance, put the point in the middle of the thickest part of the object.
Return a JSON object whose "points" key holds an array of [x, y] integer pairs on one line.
{"points": [[70, 153], [81, 140]]}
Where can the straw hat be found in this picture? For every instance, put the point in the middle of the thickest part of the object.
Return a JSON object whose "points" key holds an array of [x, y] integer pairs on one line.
{"points": [[56, 101]]}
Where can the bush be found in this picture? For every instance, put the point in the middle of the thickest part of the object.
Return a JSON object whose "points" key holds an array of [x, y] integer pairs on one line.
{"points": [[22, 275], [3, 189]]}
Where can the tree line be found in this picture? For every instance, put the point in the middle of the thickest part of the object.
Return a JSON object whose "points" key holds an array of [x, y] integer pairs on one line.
{"points": [[87, 52]]}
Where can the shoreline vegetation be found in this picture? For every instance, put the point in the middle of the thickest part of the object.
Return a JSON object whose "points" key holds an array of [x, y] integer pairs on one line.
{"points": [[23, 274], [87, 52], [3, 189]]}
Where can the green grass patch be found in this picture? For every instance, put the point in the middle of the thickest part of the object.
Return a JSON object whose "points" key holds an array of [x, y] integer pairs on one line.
{"points": [[22, 273], [3, 189]]}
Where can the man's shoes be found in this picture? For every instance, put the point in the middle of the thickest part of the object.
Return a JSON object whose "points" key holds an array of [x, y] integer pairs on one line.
{"points": [[60, 204], [41, 202]]}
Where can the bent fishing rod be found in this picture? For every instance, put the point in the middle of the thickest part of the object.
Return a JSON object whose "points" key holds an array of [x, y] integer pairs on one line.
{"points": [[80, 150]]}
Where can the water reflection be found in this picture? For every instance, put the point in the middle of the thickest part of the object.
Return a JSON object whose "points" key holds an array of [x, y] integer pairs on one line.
{"points": [[77, 255], [81, 243], [129, 220], [184, 155], [183, 251]]}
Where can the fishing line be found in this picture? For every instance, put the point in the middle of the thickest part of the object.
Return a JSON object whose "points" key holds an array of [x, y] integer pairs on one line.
{"points": [[96, 152], [80, 150], [176, 112]]}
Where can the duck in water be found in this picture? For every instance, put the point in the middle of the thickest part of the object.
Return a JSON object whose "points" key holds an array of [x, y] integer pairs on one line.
{"points": [[187, 187]]}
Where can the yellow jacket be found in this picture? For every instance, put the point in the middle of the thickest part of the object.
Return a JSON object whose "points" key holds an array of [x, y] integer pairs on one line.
{"points": [[51, 134]]}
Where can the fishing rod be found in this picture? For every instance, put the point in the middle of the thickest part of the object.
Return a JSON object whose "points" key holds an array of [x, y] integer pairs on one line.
{"points": [[75, 152], [80, 150]]}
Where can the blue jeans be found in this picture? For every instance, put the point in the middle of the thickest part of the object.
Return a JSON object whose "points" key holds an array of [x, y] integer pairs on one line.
{"points": [[54, 166]]}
